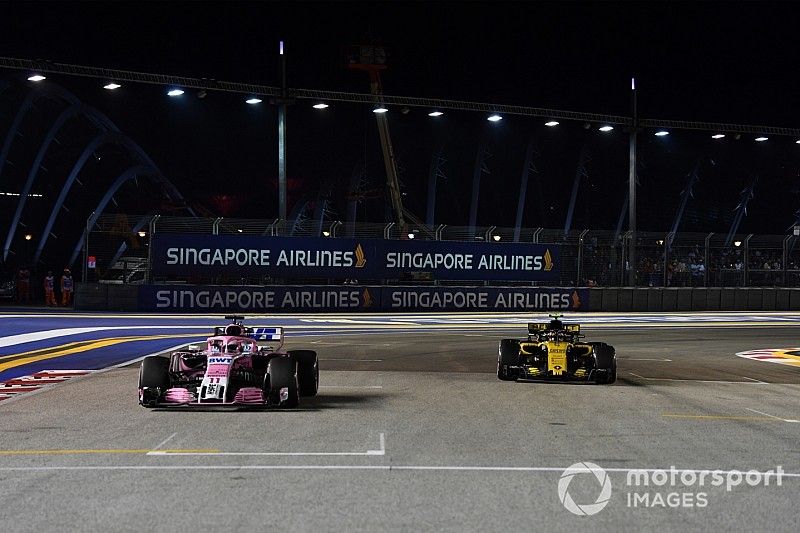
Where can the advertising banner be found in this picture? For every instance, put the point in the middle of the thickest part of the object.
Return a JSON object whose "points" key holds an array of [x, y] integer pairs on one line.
{"points": [[326, 258], [348, 298]]}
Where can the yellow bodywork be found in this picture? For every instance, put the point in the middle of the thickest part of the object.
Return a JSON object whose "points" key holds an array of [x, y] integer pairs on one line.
{"points": [[556, 356]]}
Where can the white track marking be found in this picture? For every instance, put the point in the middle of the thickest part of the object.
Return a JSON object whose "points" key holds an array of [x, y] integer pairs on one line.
{"points": [[430, 468], [380, 451], [356, 360], [351, 386], [751, 382], [643, 359], [773, 416], [34, 336], [17, 397], [163, 442]]}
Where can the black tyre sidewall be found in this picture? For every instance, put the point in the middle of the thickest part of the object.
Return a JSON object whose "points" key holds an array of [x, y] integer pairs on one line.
{"points": [[154, 372], [307, 371], [281, 372], [508, 354]]}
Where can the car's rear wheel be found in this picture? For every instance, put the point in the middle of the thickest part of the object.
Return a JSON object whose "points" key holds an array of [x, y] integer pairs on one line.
{"points": [[508, 355], [280, 383], [153, 379], [307, 371]]}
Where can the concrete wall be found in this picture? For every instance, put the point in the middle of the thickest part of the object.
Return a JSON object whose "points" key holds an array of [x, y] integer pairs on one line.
{"points": [[694, 299]]}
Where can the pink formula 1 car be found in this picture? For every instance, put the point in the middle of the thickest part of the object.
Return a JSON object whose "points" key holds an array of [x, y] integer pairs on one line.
{"points": [[238, 366]]}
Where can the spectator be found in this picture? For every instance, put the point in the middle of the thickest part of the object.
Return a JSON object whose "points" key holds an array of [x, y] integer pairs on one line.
{"points": [[66, 288], [49, 286], [24, 285]]}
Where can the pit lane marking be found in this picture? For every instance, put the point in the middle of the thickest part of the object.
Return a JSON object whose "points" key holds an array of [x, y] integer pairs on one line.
{"points": [[380, 451]]}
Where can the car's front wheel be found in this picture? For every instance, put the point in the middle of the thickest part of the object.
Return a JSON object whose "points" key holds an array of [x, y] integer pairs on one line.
{"points": [[153, 380], [307, 371], [508, 356], [605, 363], [280, 383]]}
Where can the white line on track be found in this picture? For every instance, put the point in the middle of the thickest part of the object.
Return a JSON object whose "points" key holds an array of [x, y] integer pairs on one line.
{"points": [[355, 360], [773, 416], [751, 382], [17, 397], [369, 453], [351, 386], [430, 468], [163, 442], [643, 359]]}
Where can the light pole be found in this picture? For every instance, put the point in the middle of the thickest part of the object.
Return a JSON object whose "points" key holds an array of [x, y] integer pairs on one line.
{"points": [[282, 101], [632, 188]]}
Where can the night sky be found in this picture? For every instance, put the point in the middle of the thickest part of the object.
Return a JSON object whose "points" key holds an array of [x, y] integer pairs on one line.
{"points": [[722, 62]]}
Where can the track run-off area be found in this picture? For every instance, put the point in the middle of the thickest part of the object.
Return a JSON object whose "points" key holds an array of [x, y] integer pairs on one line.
{"points": [[411, 429]]}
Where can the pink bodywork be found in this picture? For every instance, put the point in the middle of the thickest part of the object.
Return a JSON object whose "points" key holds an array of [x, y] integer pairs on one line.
{"points": [[219, 347]]}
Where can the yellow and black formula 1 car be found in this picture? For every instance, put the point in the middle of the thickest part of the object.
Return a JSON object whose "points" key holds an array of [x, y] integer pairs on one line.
{"points": [[554, 350]]}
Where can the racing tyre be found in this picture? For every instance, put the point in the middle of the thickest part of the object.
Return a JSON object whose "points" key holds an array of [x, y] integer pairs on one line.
{"points": [[508, 354], [605, 363], [281, 376], [307, 371], [153, 379]]}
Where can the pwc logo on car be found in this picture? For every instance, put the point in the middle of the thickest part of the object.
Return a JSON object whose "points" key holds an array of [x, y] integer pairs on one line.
{"points": [[219, 360]]}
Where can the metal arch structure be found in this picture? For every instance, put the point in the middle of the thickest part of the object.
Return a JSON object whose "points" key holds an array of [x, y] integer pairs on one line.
{"points": [[75, 109], [27, 103], [130, 173], [99, 140], [71, 112], [62, 119], [531, 155], [143, 221]]}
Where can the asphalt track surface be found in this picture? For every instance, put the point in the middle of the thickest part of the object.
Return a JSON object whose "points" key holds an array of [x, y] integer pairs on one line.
{"points": [[413, 431]]}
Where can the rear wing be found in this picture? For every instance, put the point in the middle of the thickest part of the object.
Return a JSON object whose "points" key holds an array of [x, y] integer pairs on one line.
{"points": [[536, 327], [539, 327], [271, 334]]}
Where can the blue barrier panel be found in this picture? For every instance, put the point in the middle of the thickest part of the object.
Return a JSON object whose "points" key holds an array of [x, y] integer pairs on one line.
{"points": [[257, 299], [483, 299], [317, 257], [359, 298]]}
